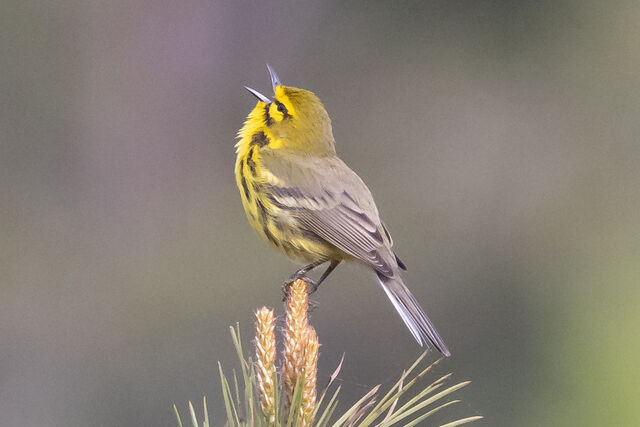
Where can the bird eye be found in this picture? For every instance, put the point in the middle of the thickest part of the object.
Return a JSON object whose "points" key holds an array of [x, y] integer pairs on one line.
{"points": [[282, 108]]}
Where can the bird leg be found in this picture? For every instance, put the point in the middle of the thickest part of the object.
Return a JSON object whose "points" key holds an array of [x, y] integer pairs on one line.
{"points": [[313, 286], [302, 275]]}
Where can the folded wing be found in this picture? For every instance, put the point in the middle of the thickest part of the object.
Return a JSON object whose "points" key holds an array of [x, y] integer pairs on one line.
{"points": [[330, 200]]}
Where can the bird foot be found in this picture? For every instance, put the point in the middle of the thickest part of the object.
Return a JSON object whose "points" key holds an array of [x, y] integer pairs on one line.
{"points": [[312, 286]]}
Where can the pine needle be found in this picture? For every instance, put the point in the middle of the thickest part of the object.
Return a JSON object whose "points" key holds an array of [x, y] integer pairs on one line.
{"points": [[289, 399]]}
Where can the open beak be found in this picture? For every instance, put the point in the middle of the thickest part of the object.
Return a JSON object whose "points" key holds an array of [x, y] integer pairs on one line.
{"points": [[275, 81], [258, 95]]}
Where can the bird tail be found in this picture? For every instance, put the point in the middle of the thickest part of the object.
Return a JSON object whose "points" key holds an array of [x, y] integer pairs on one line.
{"points": [[412, 314]]}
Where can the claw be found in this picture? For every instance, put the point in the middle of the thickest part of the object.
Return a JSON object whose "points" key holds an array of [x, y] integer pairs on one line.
{"points": [[312, 286]]}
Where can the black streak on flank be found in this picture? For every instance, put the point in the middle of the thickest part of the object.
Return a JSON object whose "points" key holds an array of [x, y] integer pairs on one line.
{"points": [[247, 195], [259, 139], [262, 212], [270, 236], [251, 163]]}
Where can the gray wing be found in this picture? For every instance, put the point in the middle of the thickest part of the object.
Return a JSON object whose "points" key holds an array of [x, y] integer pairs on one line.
{"points": [[327, 198], [330, 200]]}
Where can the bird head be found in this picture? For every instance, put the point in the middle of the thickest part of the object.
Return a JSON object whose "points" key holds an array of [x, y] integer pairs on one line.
{"points": [[293, 119]]}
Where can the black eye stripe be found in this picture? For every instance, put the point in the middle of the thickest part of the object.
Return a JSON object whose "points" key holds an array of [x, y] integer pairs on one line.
{"points": [[267, 116], [282, 108]]}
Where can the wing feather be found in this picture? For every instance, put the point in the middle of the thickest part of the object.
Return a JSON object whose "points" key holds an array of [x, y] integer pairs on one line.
{"points": [[336, 206]]}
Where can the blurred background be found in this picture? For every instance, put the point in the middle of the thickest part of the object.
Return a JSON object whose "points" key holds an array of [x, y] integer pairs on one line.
{"points": [[500, 139]]}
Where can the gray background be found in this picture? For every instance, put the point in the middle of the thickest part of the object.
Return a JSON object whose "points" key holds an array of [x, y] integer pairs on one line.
{"points": [[500, 139]]}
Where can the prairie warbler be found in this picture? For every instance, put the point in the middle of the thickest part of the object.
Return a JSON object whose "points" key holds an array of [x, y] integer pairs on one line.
{"points": [[309, 204]]}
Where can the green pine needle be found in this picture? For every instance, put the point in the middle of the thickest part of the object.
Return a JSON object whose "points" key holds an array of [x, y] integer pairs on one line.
{"points": [[242, 406]]}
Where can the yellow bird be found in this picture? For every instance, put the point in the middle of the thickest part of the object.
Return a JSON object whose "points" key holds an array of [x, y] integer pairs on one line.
{"points": [[309, 204]]}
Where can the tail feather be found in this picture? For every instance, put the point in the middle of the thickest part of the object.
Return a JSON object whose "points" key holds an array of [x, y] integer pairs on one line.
{"points": [[412, 314]]}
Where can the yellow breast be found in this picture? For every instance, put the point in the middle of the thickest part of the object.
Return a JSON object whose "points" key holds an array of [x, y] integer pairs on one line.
{"points": [[277, 226]]}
